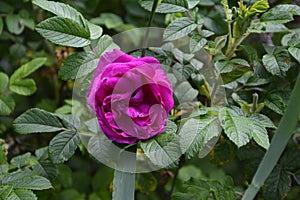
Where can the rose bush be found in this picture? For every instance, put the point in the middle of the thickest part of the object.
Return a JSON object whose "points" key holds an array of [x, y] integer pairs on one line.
{"points": [[130, 96]]}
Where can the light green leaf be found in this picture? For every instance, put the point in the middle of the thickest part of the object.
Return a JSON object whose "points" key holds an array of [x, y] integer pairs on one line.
{"points": [[37, 121], [240, 61], [259, 6], [5, 190], [64, 31], [1, 25], [7, 104], [184, 92], [23, 87], [278, 63], [294, 9], [70, 66], [22, 194], [192, 3], [263, 120], [61, 10], [171, 127], [260, 134], [163, 150], [110, 20], [4, 81], [28, 68], [179, 28], [235, 127], [223, 66], [196, 133], [295, 52], [279, 17], [13, 24], [197, 42], [95, 31], [104, 45], [63, 146], [166, 6], [263, 27], [26, 179]]}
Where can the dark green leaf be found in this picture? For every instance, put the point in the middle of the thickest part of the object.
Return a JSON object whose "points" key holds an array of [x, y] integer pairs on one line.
{"points": [[7, 104], [37, 121], [5, 191], [22, 194], [64, 31], [4, 81], [46, 169], [179, 28], [26, 180], [275, 103], [63, 146], [279, 17], [21, 160], [166, 6], [70, 66], [277, 185], [294, 9]]}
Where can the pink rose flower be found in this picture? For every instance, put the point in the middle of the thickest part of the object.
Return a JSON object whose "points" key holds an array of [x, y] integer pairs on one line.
{"points": [[130, 96]]}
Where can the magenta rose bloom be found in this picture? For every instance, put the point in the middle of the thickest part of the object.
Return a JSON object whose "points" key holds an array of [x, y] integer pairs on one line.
{"points": [[130, 96]]}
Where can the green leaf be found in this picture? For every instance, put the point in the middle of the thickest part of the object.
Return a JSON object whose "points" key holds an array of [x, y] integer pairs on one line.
{"points": [[295, 52], [104, 45], [277, 185], [235, 127], [23, 87], [95, 31], [275, 103], [197, 42], [240, 61], [26, 179], [13, 23], [61, 10], [297, 177], [7, 104], [294, 9], [5, 191], [278, 63], [260, 134], [171, 127], [22, 194], [64, 31], [71, 65], [163, 150], [63, 146], [196, 133], [4, 81], [263, 27], [110, 20], [184, 92], [263, 119], [278, 17], [223, 66], [37, 121], [21, 160], [1, 25], [179, 28], [28, 68], [259, 6], [166, 6], [46, 169]]}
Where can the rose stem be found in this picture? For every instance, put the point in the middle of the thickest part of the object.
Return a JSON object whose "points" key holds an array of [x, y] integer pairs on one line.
{"points": [[145, 42], [181, 162]]}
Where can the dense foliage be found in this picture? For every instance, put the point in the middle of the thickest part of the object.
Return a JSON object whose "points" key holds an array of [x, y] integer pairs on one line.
{"points": [[253, 45]]}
